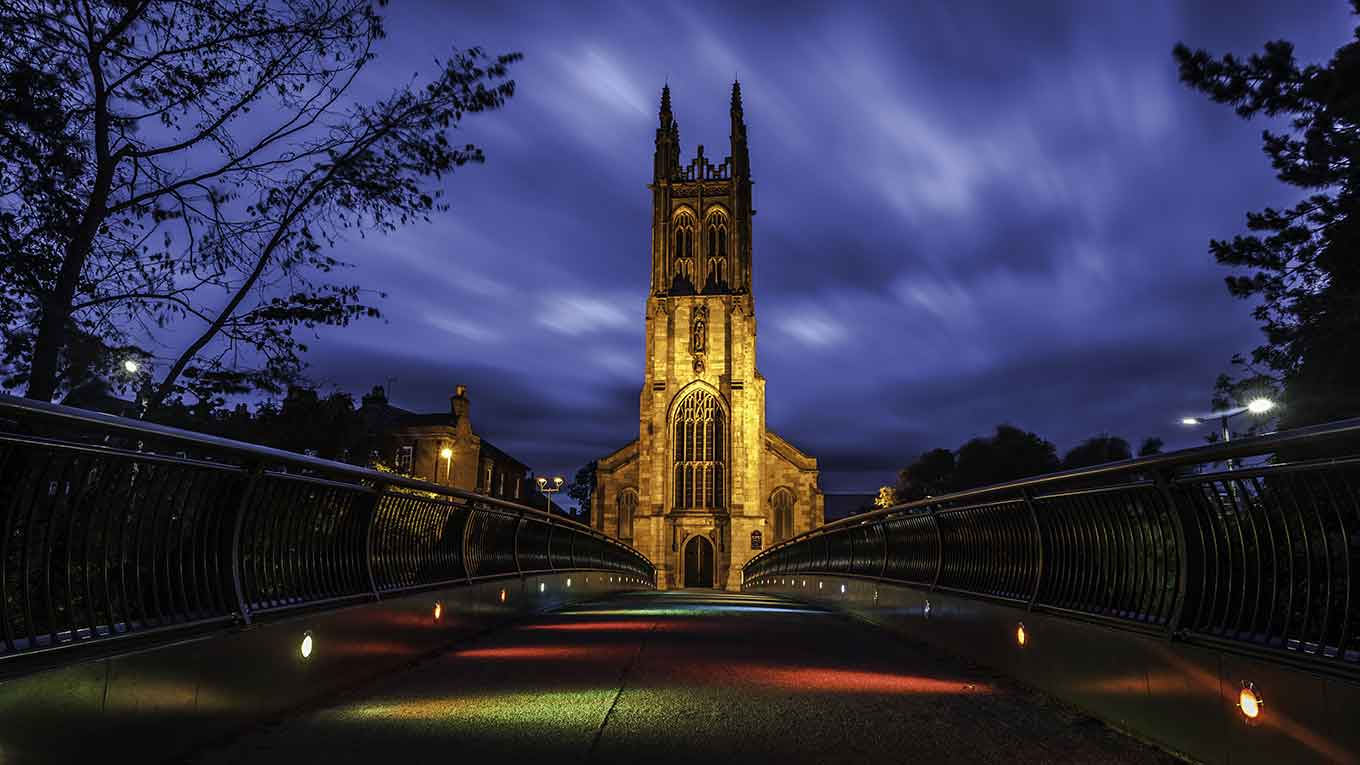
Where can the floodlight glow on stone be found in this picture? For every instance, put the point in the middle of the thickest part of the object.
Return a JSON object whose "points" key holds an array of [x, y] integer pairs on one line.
{"points": [[446, 453]]}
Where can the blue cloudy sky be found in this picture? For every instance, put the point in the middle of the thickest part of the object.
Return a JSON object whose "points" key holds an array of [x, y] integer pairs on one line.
{"points": [[969, 213]]}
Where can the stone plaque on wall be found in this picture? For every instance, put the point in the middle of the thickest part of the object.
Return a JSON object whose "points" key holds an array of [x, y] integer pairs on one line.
{"points": [[755, 539]]}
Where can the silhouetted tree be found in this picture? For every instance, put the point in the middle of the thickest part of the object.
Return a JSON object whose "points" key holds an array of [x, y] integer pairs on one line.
{"points": [[582, 487], [165, 205], [1008, 454], [930, 474], [1097, 451], [1301, 263], [1151, 445]]}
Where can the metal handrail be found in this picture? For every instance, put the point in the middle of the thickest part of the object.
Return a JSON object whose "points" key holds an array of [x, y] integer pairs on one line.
{"points": [[1256, 557], [100, 542], [1196, 455]]}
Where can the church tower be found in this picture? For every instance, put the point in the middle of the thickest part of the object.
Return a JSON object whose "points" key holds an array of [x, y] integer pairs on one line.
{"points": [[705, 486]]}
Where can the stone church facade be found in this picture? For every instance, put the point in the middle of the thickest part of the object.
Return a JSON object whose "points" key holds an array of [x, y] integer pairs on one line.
{"points": [[706, 485]]}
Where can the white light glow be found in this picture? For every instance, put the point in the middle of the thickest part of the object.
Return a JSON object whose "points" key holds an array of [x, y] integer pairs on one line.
{"points": [[1189, 421], [306, 648], [1260, 405], [131, 367]]}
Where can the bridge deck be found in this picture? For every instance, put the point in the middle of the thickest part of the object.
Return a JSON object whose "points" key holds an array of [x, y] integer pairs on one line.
{"points": [[694, 678]]}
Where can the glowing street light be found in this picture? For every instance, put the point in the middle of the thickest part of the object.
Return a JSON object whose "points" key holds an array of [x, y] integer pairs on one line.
{"points": [[131, 366], [1258, 406], [447, 454], [549, 488]]}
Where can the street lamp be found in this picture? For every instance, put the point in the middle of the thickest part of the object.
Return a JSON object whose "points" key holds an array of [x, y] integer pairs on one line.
{"points": [[1259, 405], [131, 366], [556, 486], [447, 454]]}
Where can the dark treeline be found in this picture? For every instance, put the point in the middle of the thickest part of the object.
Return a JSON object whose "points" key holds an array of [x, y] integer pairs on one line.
{"points": [[306, 421], [1008, 454]]}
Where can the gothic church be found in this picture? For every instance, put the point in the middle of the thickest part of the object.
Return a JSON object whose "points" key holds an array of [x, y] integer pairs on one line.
{"points": [[705, 486]]}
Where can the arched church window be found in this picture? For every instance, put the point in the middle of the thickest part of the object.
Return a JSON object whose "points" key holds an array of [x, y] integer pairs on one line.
{"points": [[627, 508], [698, 443], [781, 503], [682, 255], [716, 273]]}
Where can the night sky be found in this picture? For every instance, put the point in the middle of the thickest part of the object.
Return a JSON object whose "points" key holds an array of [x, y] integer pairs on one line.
{"points": [[967, 215]]}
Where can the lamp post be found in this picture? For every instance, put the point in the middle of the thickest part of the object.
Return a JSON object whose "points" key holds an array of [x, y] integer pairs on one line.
{"points": [[447, 454], [1255, 406], [548, 488]]}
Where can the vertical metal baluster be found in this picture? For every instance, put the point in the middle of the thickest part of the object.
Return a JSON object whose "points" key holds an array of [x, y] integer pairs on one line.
{"points": [[249, 491], [1307, 566], [367, 523], [107, 472], [1347, 534], [1327, 563], [939, 546], [1036, 550], [80, 484]]}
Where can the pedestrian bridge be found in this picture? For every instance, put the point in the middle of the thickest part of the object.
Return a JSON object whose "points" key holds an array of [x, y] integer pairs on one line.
{"points": [[172, 596]]}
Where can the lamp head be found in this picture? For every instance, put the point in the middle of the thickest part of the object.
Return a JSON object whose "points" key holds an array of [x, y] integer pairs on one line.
{"points": [[131, 366], [446, 453], [1189, 420], [1260, 405], [542, 482], [557, 480]]}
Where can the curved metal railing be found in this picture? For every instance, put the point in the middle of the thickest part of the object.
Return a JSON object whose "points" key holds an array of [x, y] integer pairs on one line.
{"points": [[1264, 557], [117, 528]]}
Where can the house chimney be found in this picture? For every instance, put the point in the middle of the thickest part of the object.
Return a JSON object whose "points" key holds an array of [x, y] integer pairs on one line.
{"points": [[458, 402]]}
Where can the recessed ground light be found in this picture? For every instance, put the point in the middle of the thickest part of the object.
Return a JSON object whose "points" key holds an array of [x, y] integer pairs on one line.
{"points": [[542, 586], [1249, 701], [502, 596], [305, 648], [438, 610], [1020, 637]]}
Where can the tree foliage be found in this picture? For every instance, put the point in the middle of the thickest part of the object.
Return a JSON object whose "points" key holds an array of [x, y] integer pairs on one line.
{"points": [[1097, 450], [178, 171], [1302, 263], [1008, 454], [582, 487]]}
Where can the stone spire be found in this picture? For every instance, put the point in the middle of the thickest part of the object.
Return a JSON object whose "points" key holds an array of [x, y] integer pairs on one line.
{"points": [[740, 156]]}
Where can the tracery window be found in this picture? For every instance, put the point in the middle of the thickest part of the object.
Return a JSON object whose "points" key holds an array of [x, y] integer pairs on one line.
{"points": [[698, 442], [682, 256], [781, 501], [717, 272], [627, 508]]}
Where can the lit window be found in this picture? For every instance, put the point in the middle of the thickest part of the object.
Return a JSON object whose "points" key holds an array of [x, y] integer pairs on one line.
{"points": [[698, 442], [405, 456], [518, 481]]}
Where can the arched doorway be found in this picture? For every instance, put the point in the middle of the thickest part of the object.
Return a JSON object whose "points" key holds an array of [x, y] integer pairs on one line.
{"points": [[698, 562]]}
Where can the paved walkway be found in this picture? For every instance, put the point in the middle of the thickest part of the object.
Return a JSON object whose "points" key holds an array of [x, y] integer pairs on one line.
{"points": [[689, 677]]}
